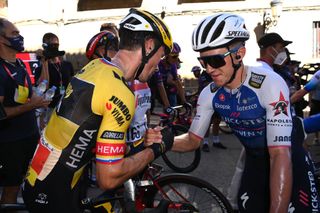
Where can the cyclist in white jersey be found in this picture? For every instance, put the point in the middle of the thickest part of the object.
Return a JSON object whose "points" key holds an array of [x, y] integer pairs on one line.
{"points": [[255, 103]]}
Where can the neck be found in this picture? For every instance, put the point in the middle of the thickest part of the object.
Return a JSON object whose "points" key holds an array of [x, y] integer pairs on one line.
{"points": [[238, 80], [267, 60], [8, 54], [128, 62]]}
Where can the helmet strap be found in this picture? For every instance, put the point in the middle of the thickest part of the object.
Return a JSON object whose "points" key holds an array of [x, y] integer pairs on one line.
{"points": [[145, 57], [235, 69]]}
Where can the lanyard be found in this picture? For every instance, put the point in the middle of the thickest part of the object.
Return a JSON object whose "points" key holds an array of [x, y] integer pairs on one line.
{"points": [[57, 67], [11, 76]]}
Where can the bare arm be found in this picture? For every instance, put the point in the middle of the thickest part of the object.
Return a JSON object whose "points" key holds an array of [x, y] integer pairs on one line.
{"points": [[111, 176], [280, 179], [186, 142], [298, 95], [35, 102], [163, 95]]}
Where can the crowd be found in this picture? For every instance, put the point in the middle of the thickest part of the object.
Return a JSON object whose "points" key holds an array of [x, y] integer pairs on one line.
{"points": [[101, 112]]}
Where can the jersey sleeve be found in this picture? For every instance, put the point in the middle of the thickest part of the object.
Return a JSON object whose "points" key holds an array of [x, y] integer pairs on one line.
{"points": [[202, 119], [275, 99], [117, 110], [312, 84]]}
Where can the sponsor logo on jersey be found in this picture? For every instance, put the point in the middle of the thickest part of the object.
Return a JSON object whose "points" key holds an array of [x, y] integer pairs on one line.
{"points": [[222, 97], [245, 108], [256, 80], [41, 198], [80, 148], [244, 197], [246, 122], [112, 135], [280, 106], [108, 106], [122, 112], [282, 139], [143, 99], [279, 122], [314, 195], [221, 106], [110, 149]]}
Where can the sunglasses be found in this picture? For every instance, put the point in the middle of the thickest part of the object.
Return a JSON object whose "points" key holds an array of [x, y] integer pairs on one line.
{"points": [[215, 61]]}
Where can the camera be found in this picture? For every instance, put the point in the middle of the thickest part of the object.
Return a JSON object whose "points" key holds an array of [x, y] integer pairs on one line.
{"points": [[51, 51]]}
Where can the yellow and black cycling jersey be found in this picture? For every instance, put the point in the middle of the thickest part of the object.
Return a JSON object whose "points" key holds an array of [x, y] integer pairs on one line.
{"points": [[92, 119]]}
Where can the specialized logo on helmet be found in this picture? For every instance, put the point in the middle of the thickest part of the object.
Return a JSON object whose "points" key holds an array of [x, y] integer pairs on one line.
{"points": [[237, 34]]}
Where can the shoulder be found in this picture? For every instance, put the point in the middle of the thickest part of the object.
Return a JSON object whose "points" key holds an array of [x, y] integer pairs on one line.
{"points": [[261, 76]]}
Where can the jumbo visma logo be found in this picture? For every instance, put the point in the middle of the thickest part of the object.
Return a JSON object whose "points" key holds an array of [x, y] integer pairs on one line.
{"points": [[120, 112]]}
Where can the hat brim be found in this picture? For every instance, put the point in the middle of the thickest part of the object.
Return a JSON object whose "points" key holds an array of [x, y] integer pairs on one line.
{"points": [[285, 43]]}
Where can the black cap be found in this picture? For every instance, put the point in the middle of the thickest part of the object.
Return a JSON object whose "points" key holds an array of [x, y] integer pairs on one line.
{"points": [[270, 39]]}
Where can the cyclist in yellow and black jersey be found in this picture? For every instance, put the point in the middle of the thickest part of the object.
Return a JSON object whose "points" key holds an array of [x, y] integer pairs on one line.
{"points": [[93, 117]]}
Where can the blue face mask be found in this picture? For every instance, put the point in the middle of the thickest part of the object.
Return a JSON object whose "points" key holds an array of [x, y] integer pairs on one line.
{"points": [[16, 43]]}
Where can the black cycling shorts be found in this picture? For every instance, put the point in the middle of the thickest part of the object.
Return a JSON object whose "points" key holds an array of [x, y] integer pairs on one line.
{"points": [[253, 195], [14, 160]]}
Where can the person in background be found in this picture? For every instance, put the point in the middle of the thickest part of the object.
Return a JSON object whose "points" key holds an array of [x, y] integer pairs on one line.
{"points": [[18, 129], [312, 87], [111, 27], [53, 69], [169, 74], [102, 45]]}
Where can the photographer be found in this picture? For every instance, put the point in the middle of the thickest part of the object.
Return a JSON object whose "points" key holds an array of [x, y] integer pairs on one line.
{"points": [[53, 69]]}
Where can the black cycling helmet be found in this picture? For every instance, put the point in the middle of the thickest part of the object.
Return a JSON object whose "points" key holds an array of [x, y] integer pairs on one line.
{"points": [[143, 21], [104, 38], [140, 20]]}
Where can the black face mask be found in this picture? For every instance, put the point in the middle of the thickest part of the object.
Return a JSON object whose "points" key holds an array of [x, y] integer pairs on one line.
{"points": [[16, 43]]}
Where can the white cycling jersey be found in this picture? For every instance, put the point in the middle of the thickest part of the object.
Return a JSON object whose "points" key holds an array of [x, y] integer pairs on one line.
{"points": [[138, 125], [258, 111]]}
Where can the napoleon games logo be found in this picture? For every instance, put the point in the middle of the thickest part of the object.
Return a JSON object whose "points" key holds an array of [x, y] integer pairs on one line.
{"points": [[280, 106]]}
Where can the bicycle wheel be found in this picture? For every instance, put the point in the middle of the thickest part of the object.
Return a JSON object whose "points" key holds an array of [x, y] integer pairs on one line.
{"points": [[188, 194], [182, 162], [224, 127]]}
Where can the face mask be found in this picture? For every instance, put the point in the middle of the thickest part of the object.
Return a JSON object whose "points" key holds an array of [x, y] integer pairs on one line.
{"points": [[16, 43], [281, 58]]}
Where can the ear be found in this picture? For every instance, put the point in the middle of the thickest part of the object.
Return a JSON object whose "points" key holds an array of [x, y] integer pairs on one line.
{"points": [[149, 45], [241, 53]]}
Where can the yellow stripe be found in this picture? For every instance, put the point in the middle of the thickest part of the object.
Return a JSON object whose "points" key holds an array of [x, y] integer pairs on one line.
{"points": [[62, 137], [31, 176], [165, 37], [106, 206], [76, 176]]}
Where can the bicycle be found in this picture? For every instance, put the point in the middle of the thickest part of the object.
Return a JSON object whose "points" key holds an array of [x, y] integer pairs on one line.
{"points": [[184, 192], [179, 124]]}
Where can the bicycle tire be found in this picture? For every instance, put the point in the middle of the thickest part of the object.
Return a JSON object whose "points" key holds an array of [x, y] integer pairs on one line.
{"points": [[224, 127], [182, 162], [188, 190]]}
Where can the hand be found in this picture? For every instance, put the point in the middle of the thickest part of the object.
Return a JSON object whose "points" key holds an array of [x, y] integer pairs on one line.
{"points": [[153, 135], [166, 144], [38, 101]]}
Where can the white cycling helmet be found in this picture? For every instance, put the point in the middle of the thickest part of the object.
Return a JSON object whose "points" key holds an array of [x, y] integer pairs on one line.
{"points": [[219, 31]]}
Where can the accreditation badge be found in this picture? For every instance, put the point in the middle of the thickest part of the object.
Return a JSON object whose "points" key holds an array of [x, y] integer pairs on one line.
{"points": [[21, 94]]}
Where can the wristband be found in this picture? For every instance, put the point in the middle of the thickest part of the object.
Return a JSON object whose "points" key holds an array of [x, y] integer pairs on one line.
{"points": [[158, 149]]}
